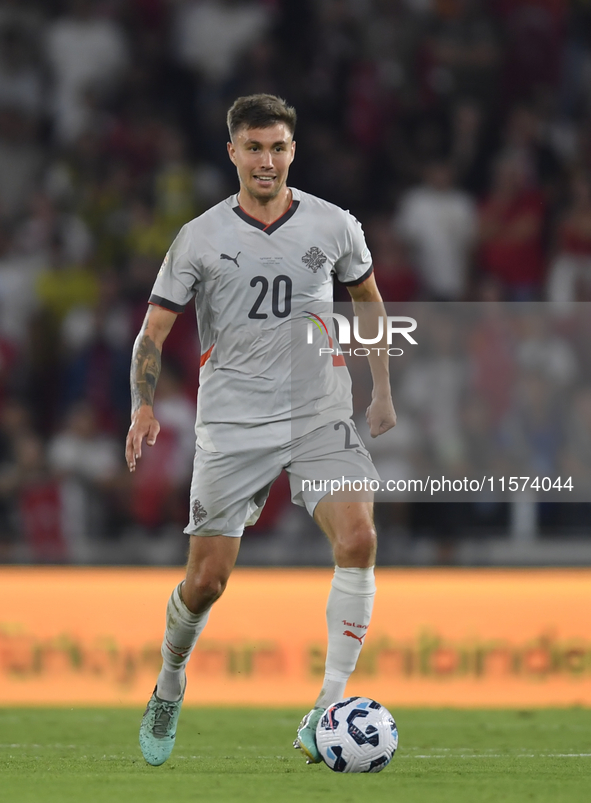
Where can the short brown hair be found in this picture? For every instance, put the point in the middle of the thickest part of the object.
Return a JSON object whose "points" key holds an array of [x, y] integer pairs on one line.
{"points": [[260, 111]]}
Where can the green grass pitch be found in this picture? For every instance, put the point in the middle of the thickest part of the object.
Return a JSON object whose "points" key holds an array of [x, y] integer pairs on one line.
{"points": [[92, 756]]}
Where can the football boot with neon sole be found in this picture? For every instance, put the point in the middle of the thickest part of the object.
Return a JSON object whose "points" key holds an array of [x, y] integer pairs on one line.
{"points": [[306, 738], [158, 728]]}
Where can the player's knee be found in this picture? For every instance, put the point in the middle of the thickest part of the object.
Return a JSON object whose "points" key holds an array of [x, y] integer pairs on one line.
{"points": [[200, 592], [358, 546]]}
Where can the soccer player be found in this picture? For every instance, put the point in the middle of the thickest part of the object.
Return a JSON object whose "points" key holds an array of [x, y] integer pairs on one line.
{"points": [[258, 264]]}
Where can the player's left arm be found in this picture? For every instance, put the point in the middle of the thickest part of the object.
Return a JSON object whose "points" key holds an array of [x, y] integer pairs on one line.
{"points": [[369, 307]]}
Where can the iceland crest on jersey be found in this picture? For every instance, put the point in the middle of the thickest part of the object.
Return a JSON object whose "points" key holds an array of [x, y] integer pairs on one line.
{"points": [[314, 258]]}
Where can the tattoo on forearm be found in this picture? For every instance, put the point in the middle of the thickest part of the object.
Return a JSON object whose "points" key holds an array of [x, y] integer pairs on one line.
{"points": [[145, 370]]}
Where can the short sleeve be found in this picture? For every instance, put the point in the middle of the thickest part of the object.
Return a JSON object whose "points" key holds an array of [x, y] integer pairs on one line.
{"points": [[178, 277], [355, 265]]}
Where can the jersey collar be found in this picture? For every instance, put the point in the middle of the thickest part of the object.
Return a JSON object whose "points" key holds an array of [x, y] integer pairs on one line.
{"points": [[268, 228]]}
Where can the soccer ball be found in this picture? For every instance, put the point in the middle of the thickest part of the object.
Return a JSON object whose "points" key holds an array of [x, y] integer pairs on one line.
{"points": [[357, 735]]}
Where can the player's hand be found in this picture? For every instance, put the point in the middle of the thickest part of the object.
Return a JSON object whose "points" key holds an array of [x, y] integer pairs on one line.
{"points": [[143, 425], [380, 415]]}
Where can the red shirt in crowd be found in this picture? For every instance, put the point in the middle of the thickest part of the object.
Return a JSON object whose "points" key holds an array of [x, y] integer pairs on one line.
{"points": [[511, 249]]}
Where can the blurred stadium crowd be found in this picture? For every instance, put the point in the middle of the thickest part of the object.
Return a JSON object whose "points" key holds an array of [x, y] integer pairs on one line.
{"points": [[457, 131]]}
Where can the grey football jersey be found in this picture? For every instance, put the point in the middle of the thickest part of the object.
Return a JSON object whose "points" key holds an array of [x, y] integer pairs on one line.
{"points": [[255, 286]]}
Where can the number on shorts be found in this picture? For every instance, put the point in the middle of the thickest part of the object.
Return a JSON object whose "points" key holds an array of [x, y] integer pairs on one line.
{"points": [[347, 427]]}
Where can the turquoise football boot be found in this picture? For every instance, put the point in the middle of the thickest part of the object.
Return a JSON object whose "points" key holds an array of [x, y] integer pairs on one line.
{"points": [[306, 738], [158, 728]]}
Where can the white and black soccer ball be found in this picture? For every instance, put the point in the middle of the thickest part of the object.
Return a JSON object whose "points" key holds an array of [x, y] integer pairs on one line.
{"points": [[357, 735]]}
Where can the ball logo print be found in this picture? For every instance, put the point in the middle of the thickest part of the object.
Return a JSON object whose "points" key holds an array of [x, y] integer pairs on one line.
{"points": [[370, 736], [357, 735]]}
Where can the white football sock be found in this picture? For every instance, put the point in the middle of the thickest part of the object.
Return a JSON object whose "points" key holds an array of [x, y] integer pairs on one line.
{"points": [[348, 613], [183, 628]]}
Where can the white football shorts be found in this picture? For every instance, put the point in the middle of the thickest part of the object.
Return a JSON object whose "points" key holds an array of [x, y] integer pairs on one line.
{"points": [[229, 490]]}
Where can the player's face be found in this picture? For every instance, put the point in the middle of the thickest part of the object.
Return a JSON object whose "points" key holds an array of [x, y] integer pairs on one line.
{"points": [[262, 157]]}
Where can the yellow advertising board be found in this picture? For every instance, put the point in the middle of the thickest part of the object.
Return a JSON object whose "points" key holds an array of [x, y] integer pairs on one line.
{"points": [[437, 638]]}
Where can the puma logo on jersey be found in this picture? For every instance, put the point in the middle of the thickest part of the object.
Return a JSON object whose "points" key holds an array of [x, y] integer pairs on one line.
{"points": [[352, 635], [231, 259]]}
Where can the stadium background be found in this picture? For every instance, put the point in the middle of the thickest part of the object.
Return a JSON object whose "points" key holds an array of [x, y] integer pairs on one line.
{"points": [[457, 131]]}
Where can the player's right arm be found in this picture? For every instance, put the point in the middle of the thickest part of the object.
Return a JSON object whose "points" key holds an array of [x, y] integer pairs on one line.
{"points": [[145, 370]]}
